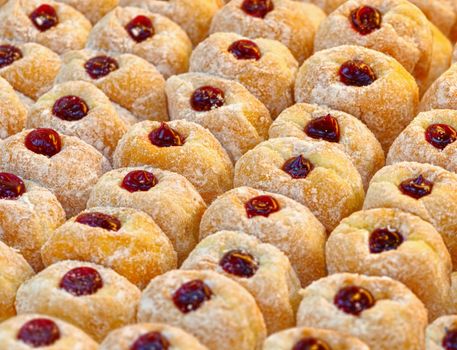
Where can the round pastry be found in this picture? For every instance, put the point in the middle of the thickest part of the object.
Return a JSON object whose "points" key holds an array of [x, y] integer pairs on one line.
{"points": [[13, 114], [30, 68], [327, 5], [148, 35], [26, 332], [427, 191], [389, 242], [64, 164], [151, 336], [14, 270], [132, 83], [194, 16], [442, 334], [92, 297], [317, 174], [216, 310], [365, 83], [283, 20], [265, 67], [182, 147], [260, 268], [429, 138], [226, 108], [49, 23], [124, 239], [94, 10], [380, 311], [441, 94], [273, 219], [442, 13], [177, 208], [77, 108], [302, 338], [320, 123]]}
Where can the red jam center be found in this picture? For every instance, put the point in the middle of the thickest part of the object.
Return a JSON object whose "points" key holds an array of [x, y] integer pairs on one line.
{"points": [[207, 98], [356, 73], [353, 300], [245, 50], [9, 54], [416, 188], [366, 19], [298, 167], [44, 17], [81, 281], [440, 135], [450, 340], [140, 28], [151, 341], [39, 332], [239, 263], [100, 66], [164, 136], [311, 343], [139, 180], [11, 186], [191, 296], [44, 141], [261, 206], [324, 128], [384, 239], [257, 8], [70, 108], [101, 220]]}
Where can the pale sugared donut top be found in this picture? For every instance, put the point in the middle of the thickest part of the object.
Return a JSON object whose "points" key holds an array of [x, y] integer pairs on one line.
{"points": [[442, 94], [13, 114], [442, 333], [441, 13], [94, 10]]}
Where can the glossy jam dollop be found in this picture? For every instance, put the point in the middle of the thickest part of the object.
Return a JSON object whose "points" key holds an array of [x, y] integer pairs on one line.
{"points": [[298, 167], [324, 128], [40, 332], [261, 206], [44, 141], [257, 8], [354, 300], [417, 187], [151, 341], [191, 296], [356, 73], [81, 281], [311, 343], [207, 98], [140, 28], [384, 239], [11, 186], [139, 180], [449, 341], [165, 136], [9, 54], [44, 17], [100, 66], [245, 50], [440, 135], [365, 19], [239, 263], [101, 220], [70, 108]]}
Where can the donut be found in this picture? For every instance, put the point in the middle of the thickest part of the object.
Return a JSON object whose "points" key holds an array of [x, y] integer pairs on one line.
{"points": [[441, 334], [327, 5], [216, 310], [441, 94], [226, 108], [13, 113], [94, 10], [440, 12]]}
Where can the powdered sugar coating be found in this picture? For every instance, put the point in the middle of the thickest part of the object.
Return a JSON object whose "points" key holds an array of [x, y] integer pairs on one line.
{"points": [[442, 93], [437, 330], [327, 5], [441, 13], [13, 113], [94, 10]]}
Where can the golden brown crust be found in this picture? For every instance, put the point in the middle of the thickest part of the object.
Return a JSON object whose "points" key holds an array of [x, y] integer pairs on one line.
{"points": [[94, 10], [327, 5], [437, 330], [440, 12], [441, 94], [13, 113]]}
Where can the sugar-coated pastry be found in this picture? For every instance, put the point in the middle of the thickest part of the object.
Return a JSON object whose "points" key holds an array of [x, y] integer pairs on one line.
{"points": [[317, 174], [94, 10], [273, 219], [259, 267], [365, 83], [169, 198], [429, 138], [216, 310], [303, 338], [151, 336], [327, 5], [442, 333], [380, 311], [131, 83], [442, 13], [92, 297], [226, 108], [320, 123], [180, 146], [389, 242], [64, 164], [13, 113], [441, 94], [149, 35], [31, 331], [427, 191], [265, 67], [49, 23], [124, 239], [29, 214]]}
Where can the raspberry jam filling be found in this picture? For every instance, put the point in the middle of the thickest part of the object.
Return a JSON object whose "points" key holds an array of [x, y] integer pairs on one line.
{"points": [[261, 206], [298, 167], [416, 187], [151, 341], [440, 135], [245, 50], [9, 54], [239, 263], [324, 128], [207, 98], [354, 300], [101, 220], [257, 8], [70, 108], [100, 66], [449, 341], [311, 343], [44, 17], [191, 296], [140, 28], [11, 186], [165, 136], [40, 332], [365, 19], [139, 180], [81, 281], [384, 239], [46, 142], [356, 73]]}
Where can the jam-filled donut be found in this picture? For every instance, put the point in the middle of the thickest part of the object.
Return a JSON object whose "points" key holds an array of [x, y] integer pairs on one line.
{"points": [[380, 311], [94, 10], [317, 174], [265, 67], [13, 113], [31, 331], [148, 35], [216, 310], [441, 94], [389, 242], [64, 164], [182, 147], [49, 23], [365, 83], [441, 334], [226, 108], [77, 108], [320, 123], [177, 208], [442, 13], [131, 83], [153, 336], [427, 191], [260, 268], [124, 239], [92, 297], [267, 216]]}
